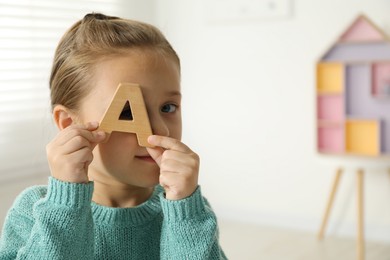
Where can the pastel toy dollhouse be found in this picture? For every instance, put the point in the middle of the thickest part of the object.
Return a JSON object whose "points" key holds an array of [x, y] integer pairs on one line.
{"points": [[353, 93]]}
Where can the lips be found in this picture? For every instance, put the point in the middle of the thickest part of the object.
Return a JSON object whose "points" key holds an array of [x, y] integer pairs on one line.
{"points": [[145, 158]]}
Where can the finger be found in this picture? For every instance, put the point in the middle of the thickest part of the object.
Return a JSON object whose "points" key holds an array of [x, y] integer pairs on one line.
{"points": [[99, 136], [102, 137], [81, 157], [79, 161], [165, 180], [156, 153], [91, 126], [78, 142], [174, 186], [91, 136], [168, 143], [178, 156], [75, 144], [173, 166]]}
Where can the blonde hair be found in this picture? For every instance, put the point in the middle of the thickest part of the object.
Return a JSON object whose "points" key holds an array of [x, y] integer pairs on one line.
{"points": [[91, 39]]}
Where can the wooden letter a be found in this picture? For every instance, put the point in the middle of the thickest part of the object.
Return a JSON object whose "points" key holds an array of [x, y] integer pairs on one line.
{"points": [[137, 122]]}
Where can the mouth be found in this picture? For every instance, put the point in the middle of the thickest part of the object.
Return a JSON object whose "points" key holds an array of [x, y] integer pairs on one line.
{"points": [[146, 158]]}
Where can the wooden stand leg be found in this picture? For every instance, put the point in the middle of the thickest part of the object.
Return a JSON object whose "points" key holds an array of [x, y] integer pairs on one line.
{"points": [[330, 203], [360, 216]]}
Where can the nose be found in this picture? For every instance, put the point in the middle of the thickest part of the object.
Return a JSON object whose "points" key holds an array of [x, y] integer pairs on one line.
{"points": [[159, 127]]}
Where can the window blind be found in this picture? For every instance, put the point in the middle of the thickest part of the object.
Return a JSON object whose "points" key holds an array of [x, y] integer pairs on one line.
{"points": [[29, 33]]}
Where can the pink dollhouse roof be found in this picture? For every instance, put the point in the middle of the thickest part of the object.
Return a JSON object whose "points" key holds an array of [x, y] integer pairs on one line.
{"points": [[363, 30], [349, 47]]}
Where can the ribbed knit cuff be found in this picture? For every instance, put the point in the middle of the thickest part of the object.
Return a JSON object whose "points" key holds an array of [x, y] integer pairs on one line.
{"points": [[70, 194], [188, 208]]}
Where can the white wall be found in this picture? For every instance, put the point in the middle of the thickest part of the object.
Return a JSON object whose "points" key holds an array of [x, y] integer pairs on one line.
{"points": [[249, 111]]}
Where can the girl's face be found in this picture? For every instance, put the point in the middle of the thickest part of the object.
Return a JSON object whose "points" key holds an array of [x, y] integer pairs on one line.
{"points": [[121, 160]]}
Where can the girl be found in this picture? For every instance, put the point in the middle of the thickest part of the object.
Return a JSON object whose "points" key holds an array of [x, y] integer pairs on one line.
{"points": [[107, 197]]}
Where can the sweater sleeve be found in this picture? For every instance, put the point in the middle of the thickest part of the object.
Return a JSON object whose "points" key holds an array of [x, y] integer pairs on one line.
{"points": [[55, 225], [190, 229]]}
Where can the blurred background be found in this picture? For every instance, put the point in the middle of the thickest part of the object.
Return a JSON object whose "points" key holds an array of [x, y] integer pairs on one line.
{"points": [[248, 83]]}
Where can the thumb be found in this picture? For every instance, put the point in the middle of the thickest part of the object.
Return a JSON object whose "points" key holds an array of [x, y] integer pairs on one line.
{"points": [[156, 153], [100, 137]]}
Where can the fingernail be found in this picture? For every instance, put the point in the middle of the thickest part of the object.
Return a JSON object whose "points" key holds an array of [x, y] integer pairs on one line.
{"points": [[94, 124], [150, 138], [100, 133]]}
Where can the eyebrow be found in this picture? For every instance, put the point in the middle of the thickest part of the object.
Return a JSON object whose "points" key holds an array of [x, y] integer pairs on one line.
{"points": [[174, 93]]}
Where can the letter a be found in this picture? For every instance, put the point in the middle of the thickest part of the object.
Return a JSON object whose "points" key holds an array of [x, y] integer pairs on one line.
{"points": [[138, 121]]}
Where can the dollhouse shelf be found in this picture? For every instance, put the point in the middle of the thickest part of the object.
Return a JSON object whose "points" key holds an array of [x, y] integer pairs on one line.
{"points": [[353, 93], [353, 105]]}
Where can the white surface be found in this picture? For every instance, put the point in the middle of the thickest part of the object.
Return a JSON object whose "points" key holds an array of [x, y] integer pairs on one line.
{"points": [[242, 10], [254, 242]]}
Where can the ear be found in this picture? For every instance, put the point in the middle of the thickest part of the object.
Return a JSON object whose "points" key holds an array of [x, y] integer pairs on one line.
{"points": [[62, 116]]}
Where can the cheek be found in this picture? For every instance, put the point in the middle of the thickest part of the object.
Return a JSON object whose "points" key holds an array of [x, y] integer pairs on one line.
{"points": [[175, 129], [92, 109], [176, 133]]}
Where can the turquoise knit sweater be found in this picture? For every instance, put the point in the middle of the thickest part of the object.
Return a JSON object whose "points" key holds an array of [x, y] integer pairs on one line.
{"points": [[60, 221]]}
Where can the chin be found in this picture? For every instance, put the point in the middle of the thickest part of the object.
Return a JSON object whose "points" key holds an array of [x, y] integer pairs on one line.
{"points": [[149, 180], [146, 184]]}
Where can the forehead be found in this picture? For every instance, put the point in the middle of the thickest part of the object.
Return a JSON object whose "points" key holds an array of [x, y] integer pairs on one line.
{"points": [[142, 58], [147, 68], [135, 64], [156, 72]]}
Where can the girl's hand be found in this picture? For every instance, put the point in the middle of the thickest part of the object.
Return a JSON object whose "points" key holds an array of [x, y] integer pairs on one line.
{"points": [[70, 152], [179, 166]]}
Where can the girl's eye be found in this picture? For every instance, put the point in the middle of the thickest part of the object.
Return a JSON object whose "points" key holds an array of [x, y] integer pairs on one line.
{"points": [[168, 108]]}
